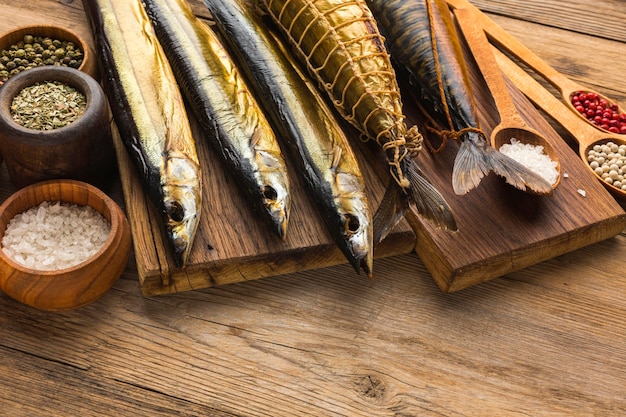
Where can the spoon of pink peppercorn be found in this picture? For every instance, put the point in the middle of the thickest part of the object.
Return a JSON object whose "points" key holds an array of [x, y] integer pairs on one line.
{"points": [[600, 111]]}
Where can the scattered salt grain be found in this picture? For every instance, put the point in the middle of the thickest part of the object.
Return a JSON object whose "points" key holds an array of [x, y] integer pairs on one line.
{"points": [[532, 157], [55, 235], [582, 192]]}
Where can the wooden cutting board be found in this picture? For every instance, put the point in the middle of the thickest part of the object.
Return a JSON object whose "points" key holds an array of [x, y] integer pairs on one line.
{"points": [[501, 229]]}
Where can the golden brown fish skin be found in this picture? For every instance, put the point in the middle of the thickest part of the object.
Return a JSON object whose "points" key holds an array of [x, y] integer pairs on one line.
{"points": [[318, 146], [150, 115], [221, 99], [339, 42], [422, 38]]}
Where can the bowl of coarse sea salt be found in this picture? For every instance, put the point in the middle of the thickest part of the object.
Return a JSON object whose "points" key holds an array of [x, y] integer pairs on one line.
{"points": [[64, 243]]}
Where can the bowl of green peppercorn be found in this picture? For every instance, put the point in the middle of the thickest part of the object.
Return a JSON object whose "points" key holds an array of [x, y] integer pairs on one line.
{"points": [[31, 46]]}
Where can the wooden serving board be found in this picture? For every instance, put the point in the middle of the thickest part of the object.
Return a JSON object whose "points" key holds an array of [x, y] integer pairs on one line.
{"points": [[501, 229]]}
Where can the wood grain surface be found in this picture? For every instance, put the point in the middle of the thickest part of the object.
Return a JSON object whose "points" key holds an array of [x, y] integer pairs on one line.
{"points": [[546, 340]]}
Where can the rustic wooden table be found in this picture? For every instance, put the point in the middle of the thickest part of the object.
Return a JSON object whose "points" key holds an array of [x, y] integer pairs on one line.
{"points": [[546, 340]]}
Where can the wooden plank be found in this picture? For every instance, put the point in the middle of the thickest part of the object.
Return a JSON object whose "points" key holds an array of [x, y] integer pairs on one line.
{"points": [[232, 244]]}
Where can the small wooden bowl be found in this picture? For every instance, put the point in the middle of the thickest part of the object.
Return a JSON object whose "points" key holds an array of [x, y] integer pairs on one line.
{"points": [[83, 283], [90, 62], [82, 150]]}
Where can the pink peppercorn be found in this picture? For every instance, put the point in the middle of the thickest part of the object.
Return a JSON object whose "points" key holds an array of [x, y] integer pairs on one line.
{"points": [[599, 111]]}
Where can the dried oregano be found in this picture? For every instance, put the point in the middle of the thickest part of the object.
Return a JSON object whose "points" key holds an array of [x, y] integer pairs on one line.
{"points": [[47, 105]]}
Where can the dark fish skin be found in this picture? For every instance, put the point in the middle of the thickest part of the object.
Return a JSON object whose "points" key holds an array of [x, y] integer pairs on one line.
{"points": [[317, 145], [150, 115], [226, 109], [424, 43]]}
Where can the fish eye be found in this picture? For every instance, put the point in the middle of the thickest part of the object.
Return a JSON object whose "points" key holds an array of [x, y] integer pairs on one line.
{"points": [[269, 193], [175, 211], [351, 223]]}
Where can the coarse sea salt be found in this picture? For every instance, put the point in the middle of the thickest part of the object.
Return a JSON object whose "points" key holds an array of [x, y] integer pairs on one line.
{"points": [[55, 235], [532, 157]]}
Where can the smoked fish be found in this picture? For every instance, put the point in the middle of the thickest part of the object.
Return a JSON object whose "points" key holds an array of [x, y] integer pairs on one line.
{"points": [[422, 39], [148, 109], [226, 109]]}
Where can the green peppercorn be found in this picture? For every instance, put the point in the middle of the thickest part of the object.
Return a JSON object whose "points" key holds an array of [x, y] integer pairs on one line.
{"points": [[33, 51]]}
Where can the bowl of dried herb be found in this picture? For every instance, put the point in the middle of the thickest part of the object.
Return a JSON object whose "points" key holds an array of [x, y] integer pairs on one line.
{"points": [[55, 123]]}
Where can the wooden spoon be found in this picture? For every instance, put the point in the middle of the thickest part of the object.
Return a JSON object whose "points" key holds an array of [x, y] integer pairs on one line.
{"points": [[502, 39], [584, 133], [511, 124]]}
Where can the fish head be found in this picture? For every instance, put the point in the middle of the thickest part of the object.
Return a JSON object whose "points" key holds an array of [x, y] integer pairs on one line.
{"points": [[356, 225], [358, 240], [182, 198], [277, 202], [275, 193]]}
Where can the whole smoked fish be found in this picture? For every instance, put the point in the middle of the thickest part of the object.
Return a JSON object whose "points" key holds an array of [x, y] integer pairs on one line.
{"points": [[149, 112]]}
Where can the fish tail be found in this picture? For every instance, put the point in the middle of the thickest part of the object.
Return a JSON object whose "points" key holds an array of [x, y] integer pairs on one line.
{"points": [[476, 158], [391, 210], [422, 193]]}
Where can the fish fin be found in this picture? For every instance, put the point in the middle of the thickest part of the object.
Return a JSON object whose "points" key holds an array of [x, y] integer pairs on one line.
{"points": [[470, 166], [476, 158], [427, 199], [390, 211]]}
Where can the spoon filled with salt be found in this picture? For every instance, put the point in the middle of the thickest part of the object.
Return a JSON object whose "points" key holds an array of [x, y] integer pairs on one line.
{"points": [[512, 130]]}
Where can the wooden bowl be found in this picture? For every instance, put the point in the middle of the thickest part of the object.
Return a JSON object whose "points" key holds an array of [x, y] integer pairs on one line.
{"points": [[83, 150], [90, 61], [83, 283]]}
